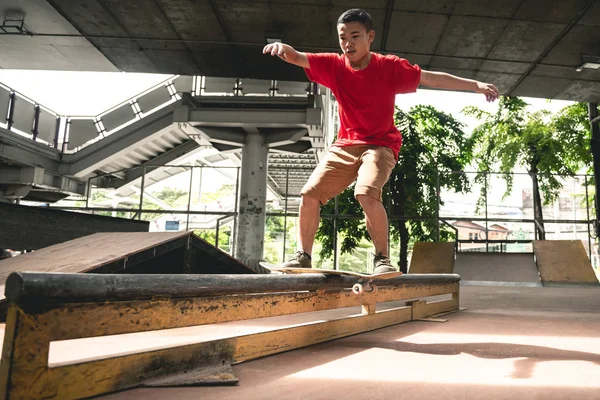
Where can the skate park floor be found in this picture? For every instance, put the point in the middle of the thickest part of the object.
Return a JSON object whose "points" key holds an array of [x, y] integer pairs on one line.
{"points": [[509, 342]]}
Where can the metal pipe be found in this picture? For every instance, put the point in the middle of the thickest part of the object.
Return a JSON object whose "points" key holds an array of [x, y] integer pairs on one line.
{"points": [[57, 131], [287, 180], [595, 147], [142, 192], [389, 211], [200, 185], [237, 195], [11, 110], [487, 248], [437, 205], [217, 232], [270, 214], [89, 192], [335, 231], [587, 209], [39, 288], [187, 220], [36, 122]]}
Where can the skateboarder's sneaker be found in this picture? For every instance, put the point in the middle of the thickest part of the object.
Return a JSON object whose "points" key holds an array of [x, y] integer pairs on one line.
{"points": [[300, 259], [382, 265]]}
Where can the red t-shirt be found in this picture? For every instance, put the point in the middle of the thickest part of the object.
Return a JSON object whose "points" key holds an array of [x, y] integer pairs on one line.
{"points": [[366, 98]]}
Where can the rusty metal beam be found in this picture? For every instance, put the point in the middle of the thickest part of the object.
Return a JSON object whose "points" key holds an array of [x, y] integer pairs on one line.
{"points": [[53, 287], [64, 309]]}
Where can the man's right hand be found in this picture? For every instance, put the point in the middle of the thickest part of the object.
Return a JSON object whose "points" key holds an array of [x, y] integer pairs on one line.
{"points": [[287, 53], [278, 49]]}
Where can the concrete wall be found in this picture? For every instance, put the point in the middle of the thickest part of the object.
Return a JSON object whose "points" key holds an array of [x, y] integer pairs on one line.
{"points": [[497, 267]]}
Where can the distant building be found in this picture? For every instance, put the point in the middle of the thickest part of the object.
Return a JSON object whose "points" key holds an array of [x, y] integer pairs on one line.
{"points": [[468, 230], [498, 232]]}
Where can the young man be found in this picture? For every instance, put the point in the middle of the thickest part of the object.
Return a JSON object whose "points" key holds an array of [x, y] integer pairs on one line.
{"points": [[365, 85]]}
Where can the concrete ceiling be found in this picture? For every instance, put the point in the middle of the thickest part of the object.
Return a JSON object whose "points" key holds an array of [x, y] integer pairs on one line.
{"points": [[527, 47], [49, 52]]}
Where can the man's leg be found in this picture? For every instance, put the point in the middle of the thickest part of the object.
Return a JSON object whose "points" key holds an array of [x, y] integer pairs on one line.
{"points": [[310, 211], [377, 223], [377, 164], [335, 172]]}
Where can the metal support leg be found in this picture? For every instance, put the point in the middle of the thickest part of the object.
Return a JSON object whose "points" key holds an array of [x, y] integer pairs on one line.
{"points": [[595, 145]]}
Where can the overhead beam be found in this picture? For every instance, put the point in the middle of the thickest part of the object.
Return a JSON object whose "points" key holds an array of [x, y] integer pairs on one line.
{"points": [[386, 24], [241, 117], [284, 136], [292, 148], [225, 135], [38, 180], [23, 151]]}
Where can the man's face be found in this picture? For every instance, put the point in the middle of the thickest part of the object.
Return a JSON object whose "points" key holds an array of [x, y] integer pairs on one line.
{"points": [[355, 41]]}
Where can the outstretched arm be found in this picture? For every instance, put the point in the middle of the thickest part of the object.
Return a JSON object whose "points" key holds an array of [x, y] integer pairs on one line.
{"points": [[287, 53], [442, 80]]}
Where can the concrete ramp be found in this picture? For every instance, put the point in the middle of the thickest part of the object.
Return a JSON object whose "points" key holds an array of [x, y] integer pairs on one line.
{"points": [[497, 269], [432, 258], [563, 262]]}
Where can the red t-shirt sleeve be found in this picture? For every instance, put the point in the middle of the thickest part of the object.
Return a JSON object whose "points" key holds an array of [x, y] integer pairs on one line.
{"points": [[406, 76], [322, 68]]}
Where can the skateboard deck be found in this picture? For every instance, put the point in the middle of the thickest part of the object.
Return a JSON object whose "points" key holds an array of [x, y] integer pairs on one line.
{"points": [[364, 280]]}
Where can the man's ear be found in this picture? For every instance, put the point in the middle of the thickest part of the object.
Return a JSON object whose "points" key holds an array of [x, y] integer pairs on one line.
{"points": [[371, 36]]}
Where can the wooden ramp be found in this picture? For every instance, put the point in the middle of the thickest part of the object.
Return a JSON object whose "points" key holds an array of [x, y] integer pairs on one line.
{"points": [[432, 258], [126, 252], [563, 262]]}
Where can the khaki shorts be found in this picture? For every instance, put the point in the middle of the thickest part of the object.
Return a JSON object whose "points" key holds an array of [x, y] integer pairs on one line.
{"points": [[371, 166]]}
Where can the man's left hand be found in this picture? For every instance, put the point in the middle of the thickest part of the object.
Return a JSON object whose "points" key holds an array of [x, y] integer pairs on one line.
{"points": [[491, 92]]}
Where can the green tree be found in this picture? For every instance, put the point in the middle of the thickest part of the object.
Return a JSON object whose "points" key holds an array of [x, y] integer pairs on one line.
{"points": [[435, 152], [434, 145], [544, 144], [210, 236], [224, 191], [171, 196]]}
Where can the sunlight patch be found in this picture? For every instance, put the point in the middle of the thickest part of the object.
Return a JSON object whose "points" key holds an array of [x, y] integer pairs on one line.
{"points": [[387, 365]]}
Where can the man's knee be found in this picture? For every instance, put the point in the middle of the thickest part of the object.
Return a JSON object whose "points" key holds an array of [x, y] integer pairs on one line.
{"points": [[313, 194], [366, 201], [367, 194], [311, 199]]}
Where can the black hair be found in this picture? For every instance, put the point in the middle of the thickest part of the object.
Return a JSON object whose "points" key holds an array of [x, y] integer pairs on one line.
{"points": [[357, 15]]}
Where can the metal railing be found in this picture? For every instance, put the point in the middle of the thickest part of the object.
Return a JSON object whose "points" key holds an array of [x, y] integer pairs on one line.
{"points": [[513, 234], [70, 134]]}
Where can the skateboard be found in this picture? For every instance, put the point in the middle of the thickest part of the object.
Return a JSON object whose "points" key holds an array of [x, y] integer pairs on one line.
{"points": [[364, 283]]}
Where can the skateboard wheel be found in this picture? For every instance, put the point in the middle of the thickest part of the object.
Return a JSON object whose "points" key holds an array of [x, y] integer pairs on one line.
{"points": [[358, 289]]}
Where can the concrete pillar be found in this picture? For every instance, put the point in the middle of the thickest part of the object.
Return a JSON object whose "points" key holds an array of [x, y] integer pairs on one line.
{"points": [[253, 197]]}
